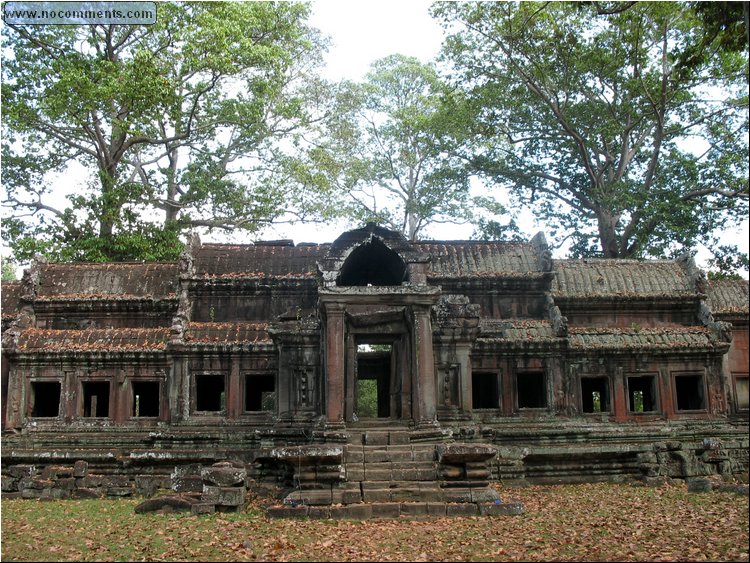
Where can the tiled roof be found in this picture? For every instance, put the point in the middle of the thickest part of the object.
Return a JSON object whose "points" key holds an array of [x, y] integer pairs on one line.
{"points": [[227, 333], [518, 329], [671, 338], [728, 297], [11, 294], [85, 281], [261, 260], [592, 278], [459, 259], [94, 340]]}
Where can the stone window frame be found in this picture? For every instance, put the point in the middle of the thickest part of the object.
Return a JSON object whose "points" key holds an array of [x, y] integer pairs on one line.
{"points": [[130, 402], [112, 399], [610, 396], [654, 375], [194, 393], [735, 376], [244, 376], [30, 405], [692, 373]]}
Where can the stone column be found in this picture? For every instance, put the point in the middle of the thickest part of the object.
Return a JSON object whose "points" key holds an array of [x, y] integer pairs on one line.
{"points": [[235, 401], [424, 401], [335, 364]]}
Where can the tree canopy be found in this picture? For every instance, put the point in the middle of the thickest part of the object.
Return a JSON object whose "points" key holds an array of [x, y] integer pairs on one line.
{"points": [[621, 124], [392, 150], [187, 123]]}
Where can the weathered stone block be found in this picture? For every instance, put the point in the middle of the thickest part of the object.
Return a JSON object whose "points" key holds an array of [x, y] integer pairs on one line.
{"points": [[20, 471], [287, 511], [148, 485], [80, 468], [358, 511], [187, 484], [501, 509], [67, 483], [375, 438], [698, 485], [386, 510], [9, 484], [461, 509], [436, 508], [225, 496], [83, 493], [319, 512], [223, 476], [202, 508], [462, 453], [118, 491], [414, 509]]}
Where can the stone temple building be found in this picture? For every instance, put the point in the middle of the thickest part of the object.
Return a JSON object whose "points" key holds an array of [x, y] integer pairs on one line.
{"points": [[373, 363]]}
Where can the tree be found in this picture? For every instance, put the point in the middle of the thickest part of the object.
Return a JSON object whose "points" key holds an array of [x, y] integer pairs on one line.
{"points": [[179, 125], [591, 114], [392, 150]]}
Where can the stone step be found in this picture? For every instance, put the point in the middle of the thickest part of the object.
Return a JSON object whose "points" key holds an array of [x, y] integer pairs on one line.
{"points": [[395, 453]]}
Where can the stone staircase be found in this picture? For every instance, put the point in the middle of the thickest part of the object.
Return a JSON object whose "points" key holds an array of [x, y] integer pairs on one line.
{"points": [[388, 472]]}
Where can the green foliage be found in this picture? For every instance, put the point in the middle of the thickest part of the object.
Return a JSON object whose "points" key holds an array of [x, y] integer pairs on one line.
{"points": [[8, 267], [184, 124], [367, 398], [392, 150], [589, 114]]}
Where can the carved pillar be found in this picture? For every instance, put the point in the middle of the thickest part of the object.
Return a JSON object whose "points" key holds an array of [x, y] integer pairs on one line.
{"points": [[234, 402], [335, 363], [424, 402]]}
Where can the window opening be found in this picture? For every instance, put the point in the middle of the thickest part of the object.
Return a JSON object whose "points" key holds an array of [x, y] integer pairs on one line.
{"points": [[95, 398], [741, 392], [484, 393], [594, 394], [373, 380], [209, 393], [532, 390], [45, 398], [689, 391], [145, 398], [641, 394], [260, 393]]}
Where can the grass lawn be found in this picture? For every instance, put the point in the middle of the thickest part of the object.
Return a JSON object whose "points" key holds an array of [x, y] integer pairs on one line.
{"points": [[590, 522]]}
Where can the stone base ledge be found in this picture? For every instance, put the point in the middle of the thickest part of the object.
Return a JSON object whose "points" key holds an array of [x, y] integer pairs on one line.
{"points": [[365, 511]]}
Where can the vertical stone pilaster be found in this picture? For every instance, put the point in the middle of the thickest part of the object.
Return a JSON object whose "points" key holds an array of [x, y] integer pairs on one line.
{"points": [[335, 364], [235, 401], [425, 409]]}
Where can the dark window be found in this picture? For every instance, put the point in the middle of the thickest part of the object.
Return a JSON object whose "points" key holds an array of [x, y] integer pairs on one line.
{"points": [[95, 398], [260, 393], [373, 263], [532, 390], [484, 393], [689, 391], [741, 392], [145, 398], [642, 393], [595, 394], [45, 398], [209, 393]]}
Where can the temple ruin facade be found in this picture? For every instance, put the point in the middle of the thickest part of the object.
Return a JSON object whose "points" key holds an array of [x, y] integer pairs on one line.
{"points": [[459, 361]]}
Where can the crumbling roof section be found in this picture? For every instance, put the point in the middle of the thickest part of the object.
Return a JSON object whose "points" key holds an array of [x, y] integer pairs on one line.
{"points": [[11, 295], [620, 278], [463, 259], [672, 338], [227, 333], [258, 260], [94, 340], [86, 281], [517, 330], [728, 297]]}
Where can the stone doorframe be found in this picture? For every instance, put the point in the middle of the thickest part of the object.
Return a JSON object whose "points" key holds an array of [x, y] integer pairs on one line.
{"points": [[397, 314]]}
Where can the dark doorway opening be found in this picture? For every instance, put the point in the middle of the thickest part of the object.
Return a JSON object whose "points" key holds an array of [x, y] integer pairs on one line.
{"points": [[46, 398], [484, 393], [689, 391], [595, 394], [209, 393], [95, 398], [642, 393], [373, 398], [260, 393], [145, 398], [532, 390], [372, 263]]}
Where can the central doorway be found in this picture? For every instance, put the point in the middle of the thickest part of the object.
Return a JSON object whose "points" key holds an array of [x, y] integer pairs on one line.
{"points": [[373, 388]]}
